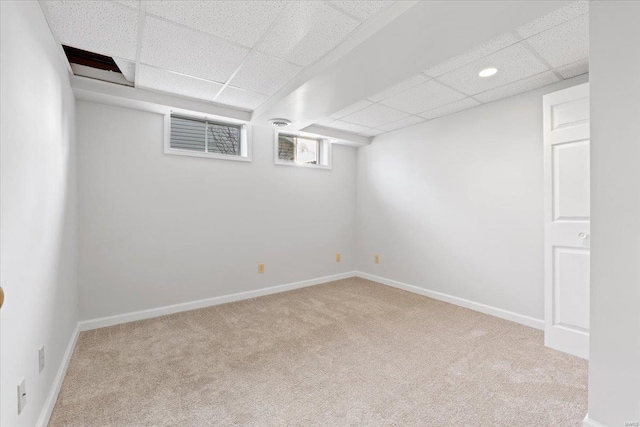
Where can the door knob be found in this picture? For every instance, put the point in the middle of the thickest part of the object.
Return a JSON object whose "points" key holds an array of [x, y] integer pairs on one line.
{"points": [[583, 235], [1, 297]]}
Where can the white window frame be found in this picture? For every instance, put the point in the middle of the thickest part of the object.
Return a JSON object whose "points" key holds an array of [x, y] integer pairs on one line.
{"points": [[245, 140], [321, 142]]}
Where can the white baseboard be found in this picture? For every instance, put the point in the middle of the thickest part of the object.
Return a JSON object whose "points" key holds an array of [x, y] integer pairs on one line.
{"points": [[49, 404], [102, 322], [588, 422], [86, 325], [483, 308]]}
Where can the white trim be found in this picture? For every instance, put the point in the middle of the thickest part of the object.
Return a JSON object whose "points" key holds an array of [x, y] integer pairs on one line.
{"points": [[476, 306], [588, 422], [86, 325], [245, 143], [50, 402]]}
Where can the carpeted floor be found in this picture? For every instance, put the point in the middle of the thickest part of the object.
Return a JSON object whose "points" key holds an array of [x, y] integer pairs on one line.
{"points": [[346, 353]]}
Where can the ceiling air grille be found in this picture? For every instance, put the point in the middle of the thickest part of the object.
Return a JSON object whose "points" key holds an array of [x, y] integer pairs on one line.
{"points": [[95, 66]]}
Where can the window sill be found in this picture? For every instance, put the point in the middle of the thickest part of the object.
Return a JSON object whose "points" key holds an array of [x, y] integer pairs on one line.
{"points": [[178, 152], [301, 165]]}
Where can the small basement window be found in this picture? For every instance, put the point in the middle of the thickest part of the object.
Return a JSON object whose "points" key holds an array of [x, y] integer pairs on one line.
{"points": [[295, 150], [201, 137]]}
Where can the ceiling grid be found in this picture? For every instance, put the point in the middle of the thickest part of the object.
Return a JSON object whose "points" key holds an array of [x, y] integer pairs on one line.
{"points": [[253, 49], [240, 54], [521, 68]]}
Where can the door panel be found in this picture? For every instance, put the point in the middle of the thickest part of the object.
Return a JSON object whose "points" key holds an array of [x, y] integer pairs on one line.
{"points": [[571, 181], [571, 113], [571, 288], [567, 219]]}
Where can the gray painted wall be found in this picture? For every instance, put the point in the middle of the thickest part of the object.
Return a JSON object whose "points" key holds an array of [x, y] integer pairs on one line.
{"points": [[455, 205], [614, 360], [38, 212], [159, 229]]}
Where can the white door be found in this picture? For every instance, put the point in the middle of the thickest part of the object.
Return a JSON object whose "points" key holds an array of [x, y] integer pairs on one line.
{"points": [[567, 220]]}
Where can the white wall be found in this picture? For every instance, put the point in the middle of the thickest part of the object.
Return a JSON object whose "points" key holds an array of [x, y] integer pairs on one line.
{"points": [[38, 210], [159, 229], [614, 363], [455, 205]]}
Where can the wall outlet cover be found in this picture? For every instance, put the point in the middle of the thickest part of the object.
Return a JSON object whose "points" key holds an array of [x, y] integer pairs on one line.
{"points": [[260, 268], [338, 257], [376, 259], [41, 359], [22, 396]]}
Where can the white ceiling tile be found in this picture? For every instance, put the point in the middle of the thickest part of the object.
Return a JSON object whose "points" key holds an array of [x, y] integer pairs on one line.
{"points": [[423, 97], [351, 109], [574, 69], [362, 10], [372, 132], [375, 116], [474, 54], [102, 27], [563, 44], [127, 68], [521, 86], [264, 74], [513, 63], [554, 18], [166, 81], [400, 87], [190, 52], [409, 121], [307, 31], [242, 22], [349, 127], [241, 98], [134, 4], [454, 107]]}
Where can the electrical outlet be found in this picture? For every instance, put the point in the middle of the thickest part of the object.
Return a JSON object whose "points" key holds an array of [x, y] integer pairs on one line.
{"points": [[338, 258], [376, 259], [40, 359], [22, 396], [260, 268]]}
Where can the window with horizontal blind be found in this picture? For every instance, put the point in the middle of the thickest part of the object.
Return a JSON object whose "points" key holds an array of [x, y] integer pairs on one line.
{"points": [[298, 150], [202, 137]]}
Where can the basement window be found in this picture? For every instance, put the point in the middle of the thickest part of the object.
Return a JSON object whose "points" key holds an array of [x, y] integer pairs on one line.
{"points": [[202, 137], [305, 151]]}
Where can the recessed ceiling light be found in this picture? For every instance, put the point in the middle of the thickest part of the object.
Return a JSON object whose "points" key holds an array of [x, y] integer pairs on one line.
{"points": [[487, 72]]}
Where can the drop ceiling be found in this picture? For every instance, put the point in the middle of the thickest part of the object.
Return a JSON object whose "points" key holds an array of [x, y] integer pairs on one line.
{"points": [[250, 54], [237, 53], [547, 50]]}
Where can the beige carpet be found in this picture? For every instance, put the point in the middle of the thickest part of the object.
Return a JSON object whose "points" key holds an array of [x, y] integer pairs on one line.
{"points": [[346, 353]]}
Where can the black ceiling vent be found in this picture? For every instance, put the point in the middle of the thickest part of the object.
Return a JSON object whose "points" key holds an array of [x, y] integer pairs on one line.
{"points": [[95, 66]]}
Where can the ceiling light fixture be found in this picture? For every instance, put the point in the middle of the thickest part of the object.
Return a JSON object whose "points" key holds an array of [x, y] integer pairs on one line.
{"points": [[279, 123], [488, 72]]}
